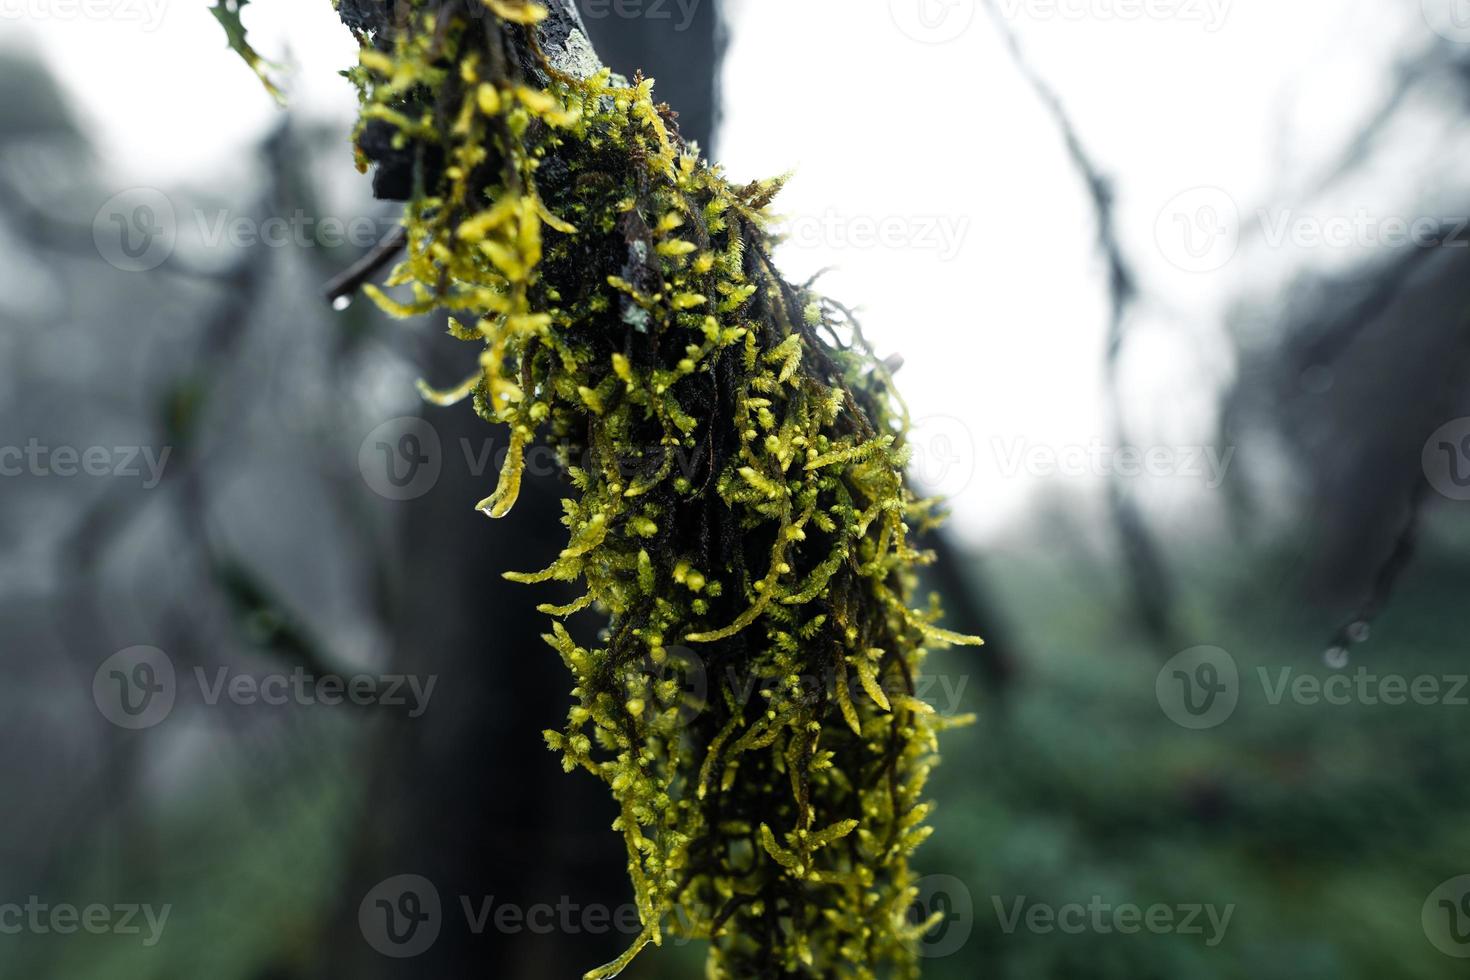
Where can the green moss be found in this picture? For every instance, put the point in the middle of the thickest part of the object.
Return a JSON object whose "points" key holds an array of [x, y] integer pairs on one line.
{"points": [[228, 12], [739, 491]]}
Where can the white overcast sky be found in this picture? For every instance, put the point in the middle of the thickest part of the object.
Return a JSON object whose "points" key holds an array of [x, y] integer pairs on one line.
{"points": [[905, 122]]}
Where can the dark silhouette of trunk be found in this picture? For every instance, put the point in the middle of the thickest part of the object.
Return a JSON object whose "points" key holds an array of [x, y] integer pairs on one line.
{"points": [[467, 795]]}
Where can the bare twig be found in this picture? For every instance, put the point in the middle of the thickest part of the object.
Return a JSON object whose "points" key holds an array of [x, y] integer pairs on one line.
{"points": [[352, 278], [1147, 574]]}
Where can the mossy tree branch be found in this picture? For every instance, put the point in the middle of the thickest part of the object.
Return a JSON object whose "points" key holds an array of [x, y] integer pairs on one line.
{"points": [[740, 513]]}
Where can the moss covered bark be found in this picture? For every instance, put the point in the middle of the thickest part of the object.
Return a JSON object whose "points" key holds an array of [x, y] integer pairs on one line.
{"points": [[739, 511]]}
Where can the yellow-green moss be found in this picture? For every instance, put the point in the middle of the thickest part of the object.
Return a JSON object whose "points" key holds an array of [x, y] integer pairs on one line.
{"points": [[737, 455]]}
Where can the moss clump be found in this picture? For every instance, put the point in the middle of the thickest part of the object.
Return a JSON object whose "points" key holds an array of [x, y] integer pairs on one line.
{"points": [[737, 454]]}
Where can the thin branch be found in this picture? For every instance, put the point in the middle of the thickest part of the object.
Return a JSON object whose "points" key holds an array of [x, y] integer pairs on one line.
{"points": [[351, 279], [1148, 577]]}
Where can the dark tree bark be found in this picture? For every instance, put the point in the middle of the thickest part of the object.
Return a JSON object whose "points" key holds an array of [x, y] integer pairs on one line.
{"points": [[447, 792]]}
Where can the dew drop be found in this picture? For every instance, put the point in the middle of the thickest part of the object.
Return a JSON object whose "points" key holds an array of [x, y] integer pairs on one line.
{"points": [[1336, 657], [341, 303], [1359, 632]]}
